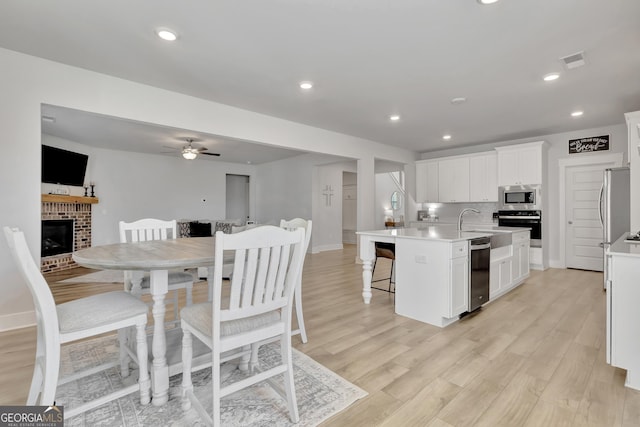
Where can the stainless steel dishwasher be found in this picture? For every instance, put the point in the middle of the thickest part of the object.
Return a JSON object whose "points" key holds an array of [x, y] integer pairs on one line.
{"points": [[480, 254]]}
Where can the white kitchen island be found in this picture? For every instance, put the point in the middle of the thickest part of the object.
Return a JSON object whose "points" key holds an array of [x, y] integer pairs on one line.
{"points": [[623, 316], [432, 269]]}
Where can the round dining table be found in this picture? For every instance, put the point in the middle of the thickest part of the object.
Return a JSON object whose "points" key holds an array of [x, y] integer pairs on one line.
{"points": [[157, 257]]}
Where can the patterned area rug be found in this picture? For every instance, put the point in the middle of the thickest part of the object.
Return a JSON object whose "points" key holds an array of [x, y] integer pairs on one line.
{"points": [[320, 392]]}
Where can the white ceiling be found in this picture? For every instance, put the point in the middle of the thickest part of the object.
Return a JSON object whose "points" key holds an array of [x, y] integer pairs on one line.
{"points": [[127, 135], [367, 58]]}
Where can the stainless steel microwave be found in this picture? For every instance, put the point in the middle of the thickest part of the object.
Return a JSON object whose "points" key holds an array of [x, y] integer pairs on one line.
{"points": [[519, 197]]}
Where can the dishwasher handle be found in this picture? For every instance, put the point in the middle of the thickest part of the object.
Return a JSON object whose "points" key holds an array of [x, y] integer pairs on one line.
{"points": [[482, 246]]}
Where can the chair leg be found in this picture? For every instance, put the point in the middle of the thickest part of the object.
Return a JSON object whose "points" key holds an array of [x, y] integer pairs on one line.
{"points": [[289, 386], [300, 317], [215, 385], [51, 372], [176, 310], [123, 340], [38, 375], [36, 383], [393, 263], [189, 290], [187, 355], [142, 351]]}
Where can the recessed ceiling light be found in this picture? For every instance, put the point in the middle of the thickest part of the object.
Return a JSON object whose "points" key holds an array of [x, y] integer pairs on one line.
{"points": [[167, 35], [487, 1], [577, 113], [446, 137], [306, 85], [458, 100], [394, 118], [551, 77]]}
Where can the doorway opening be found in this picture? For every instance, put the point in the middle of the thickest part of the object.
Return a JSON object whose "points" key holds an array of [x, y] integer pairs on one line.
{"points": [[237, 198]]}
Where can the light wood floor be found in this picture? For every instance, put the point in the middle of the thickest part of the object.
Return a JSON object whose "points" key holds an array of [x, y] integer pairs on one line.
{"points": [[535, 357]]}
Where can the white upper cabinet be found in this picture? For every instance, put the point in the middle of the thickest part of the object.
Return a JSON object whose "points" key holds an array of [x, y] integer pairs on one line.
{"points": [[427, 181], [483, 178], [453, 180], [520, 164]]}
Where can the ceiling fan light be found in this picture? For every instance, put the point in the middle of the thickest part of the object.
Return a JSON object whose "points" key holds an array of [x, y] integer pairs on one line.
{"points": [[189, 154]]}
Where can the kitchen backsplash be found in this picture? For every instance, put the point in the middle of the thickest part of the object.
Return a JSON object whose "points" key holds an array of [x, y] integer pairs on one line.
{"points": [[448, 212]]}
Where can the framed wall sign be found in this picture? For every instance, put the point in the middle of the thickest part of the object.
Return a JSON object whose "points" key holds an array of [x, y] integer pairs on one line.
{"points": [[593, 143]]}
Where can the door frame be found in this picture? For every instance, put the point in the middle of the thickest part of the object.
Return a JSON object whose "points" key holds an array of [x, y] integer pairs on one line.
{"points": [[563, 164]]}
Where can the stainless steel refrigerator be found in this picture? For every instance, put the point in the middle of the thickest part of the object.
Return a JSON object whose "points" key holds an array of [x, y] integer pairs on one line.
{"points": [[614, 208]]}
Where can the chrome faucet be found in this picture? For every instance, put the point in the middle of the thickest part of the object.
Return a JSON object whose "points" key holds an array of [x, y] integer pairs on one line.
{"points": [[462, 213]]}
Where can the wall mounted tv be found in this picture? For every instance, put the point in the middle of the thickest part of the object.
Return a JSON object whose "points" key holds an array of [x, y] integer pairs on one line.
{"points": [[63, 167]]}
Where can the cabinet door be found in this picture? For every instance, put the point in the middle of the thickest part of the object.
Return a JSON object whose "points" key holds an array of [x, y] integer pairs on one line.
{"points": [[520, 165], [459, 286], [520, 260], [505, 274], [508, 167], [530, 165], [499, 276], [427, 182], [453, 180], [483, 183]]}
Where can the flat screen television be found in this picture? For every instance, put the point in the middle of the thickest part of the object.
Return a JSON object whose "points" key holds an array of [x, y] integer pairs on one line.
{"points": [[63, 167]]}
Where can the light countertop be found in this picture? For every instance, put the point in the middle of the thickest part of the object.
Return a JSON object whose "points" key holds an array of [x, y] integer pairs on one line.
{"points": [[622, 248], [448, 233]]}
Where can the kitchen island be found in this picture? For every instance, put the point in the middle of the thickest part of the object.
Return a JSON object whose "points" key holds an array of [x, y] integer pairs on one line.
{"points": [[433, 265], [623, 316]]}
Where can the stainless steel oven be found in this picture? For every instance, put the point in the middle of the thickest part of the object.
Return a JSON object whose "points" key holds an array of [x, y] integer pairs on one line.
{"points": [[525, 218], [519, 197]]}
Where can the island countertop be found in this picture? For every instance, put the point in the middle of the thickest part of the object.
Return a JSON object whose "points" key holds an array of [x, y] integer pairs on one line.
{"points": [[622, 248], [447, 233]]}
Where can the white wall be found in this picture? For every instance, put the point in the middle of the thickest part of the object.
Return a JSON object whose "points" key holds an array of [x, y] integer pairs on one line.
{"points": [[27, 82], [131, 186], [327, 214], [385, 186], [558, 149], [633, 121]]}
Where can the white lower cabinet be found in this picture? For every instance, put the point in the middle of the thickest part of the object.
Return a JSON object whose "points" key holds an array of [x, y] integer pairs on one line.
{"points": [[623, 316], [432, 280], [499, 277], [520, 256], [509, 265], [459, 286]]}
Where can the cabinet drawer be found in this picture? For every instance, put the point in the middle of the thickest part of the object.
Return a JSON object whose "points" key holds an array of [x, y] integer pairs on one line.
{"points": [[460, 249], [520, 236]]}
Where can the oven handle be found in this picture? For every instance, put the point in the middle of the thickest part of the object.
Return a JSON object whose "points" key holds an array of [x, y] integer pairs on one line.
{"points": [[519, 217]]}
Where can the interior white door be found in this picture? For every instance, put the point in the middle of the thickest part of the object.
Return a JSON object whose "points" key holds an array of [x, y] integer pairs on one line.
{"points": [[237, 200], [583, 228]]}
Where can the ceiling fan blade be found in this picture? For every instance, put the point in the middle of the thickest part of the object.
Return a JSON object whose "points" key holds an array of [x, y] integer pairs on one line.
{"points": [[211, 154], [170, 148]]}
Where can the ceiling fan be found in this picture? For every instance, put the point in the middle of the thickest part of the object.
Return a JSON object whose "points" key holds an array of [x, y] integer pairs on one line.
{"points": [[190, 151]]}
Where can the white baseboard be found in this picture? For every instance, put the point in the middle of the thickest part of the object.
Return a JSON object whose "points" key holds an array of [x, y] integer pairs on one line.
{"points": [[13, 321], [554, 263], [323, 248]]}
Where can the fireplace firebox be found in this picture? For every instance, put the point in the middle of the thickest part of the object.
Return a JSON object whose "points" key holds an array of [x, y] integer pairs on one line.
{"points": [[57, 237]]}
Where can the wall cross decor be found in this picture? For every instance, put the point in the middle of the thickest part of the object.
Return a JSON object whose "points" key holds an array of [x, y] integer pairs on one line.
{"points": [[327, 192]]}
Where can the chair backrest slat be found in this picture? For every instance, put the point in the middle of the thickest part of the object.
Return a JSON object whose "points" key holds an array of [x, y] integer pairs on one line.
{"points": [[147, 229], [267, 262]]}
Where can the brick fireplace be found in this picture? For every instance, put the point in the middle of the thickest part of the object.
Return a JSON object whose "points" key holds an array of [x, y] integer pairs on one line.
{"points": [[76, 208]]}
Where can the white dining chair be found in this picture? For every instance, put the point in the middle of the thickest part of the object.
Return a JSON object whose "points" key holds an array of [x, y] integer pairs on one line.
{"points": [[138, 282], [257, 307], [75, 320], [292, 224]]}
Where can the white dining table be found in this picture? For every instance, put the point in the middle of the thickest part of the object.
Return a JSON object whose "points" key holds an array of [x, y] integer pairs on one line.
{"points": [[157, 257]]}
